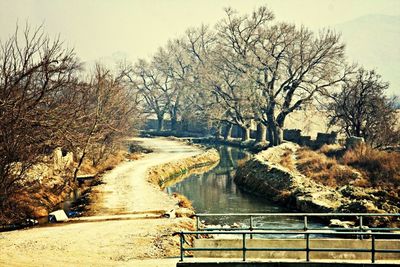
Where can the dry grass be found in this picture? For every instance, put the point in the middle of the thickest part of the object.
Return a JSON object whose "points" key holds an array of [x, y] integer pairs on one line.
{"points": [[183, 201], [324, 170], [333, 151], [161, 174], [362, 166], [111, 162], [380, 167], [108, 164], [287, 159]]}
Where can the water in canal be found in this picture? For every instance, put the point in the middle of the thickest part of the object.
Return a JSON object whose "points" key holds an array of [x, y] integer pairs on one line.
{"points": [[216, 192]]}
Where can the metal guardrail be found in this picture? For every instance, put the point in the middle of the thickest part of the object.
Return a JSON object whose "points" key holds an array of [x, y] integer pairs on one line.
{"points": [[373, 250], [361, 231], [361, 226]]}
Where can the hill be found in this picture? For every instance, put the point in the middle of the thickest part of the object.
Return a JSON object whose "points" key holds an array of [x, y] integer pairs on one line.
{"points": [[373, 41]]}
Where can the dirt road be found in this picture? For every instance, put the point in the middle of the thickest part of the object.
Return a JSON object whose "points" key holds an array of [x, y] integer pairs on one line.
{"points": [[128, 242], [125, 188]]}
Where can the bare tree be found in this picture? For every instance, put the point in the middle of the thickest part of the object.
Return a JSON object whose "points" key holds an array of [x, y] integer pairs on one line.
{"points": [[46, 103], [230, 64], [361, 109], [292, 66], [34, 70], [152, 84], [200, 104], [108, 112]]}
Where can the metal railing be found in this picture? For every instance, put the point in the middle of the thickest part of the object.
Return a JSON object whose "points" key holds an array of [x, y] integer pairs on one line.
{"points": [[360, 218], [373, 250], [361, 231]]}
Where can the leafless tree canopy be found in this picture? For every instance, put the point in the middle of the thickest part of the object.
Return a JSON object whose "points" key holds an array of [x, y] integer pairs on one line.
{"points": [[361, 109], [246, 69], [45, 103]]}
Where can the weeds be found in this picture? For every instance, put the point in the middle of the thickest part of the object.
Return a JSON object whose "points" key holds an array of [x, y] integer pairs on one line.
{"points": [[361, 166], [324, 170], [287, 159], [183, 201], [379, 166]]}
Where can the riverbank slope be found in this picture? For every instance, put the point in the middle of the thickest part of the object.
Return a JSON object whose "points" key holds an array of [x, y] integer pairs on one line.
{"points": [[275, 174]]}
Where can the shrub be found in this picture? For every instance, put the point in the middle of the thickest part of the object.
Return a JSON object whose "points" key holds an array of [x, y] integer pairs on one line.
{"points": [[183, 201], [379, 166], [324, 170], [287, 160]]}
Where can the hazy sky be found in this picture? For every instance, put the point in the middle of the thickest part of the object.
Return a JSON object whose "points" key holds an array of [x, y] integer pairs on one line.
{"points": [[132, 28]]}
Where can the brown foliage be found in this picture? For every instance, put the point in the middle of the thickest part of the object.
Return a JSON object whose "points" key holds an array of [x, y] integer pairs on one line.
{"points": [[287, 160], [324, 170], [379, 166], [46, 103], [183, 201]]}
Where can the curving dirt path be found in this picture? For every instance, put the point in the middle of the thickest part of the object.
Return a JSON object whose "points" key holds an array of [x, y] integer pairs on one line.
{"points": [[129, 242], [125, 189]]}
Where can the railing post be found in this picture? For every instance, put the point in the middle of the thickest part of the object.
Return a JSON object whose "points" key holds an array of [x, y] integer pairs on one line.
{"points": [[307, 247], [181, 244], [244, 247], [361, 226], [197, 225], [373, 249], [251, 226], [305, 223]]}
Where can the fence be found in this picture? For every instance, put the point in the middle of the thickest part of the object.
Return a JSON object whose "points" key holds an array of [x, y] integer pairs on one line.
{"points": [[361, 231]]}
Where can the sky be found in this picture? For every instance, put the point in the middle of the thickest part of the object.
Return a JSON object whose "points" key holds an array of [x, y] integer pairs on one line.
{"points": [[104, 29]]}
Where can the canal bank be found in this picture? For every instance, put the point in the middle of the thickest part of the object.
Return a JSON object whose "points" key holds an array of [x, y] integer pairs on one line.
{"points": [[215, 191]]}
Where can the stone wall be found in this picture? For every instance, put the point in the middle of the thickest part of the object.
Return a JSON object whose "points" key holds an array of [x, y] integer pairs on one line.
{"points": [[295, 136]]}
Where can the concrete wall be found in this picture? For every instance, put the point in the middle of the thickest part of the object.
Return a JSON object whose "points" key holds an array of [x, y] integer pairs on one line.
{"points": [[297, 243], [238, 263]]}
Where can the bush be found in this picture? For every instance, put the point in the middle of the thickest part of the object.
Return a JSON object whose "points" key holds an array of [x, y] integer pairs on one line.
{"points": [[287, 160], [324, 170], [378, 166], [183, 201]]}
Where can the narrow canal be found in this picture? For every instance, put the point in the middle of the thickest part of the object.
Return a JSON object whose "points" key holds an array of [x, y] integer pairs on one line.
{"points": [[216, 192]]}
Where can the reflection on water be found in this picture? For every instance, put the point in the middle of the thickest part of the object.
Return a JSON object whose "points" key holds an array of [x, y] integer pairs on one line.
{"points": [[215, 192]]}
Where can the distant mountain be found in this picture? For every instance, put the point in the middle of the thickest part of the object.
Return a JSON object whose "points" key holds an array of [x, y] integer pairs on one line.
{"points": [[374, 42]]}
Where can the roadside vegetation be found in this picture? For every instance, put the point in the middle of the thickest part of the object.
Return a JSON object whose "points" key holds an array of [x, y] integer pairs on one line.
{"points": [[47, 101]]}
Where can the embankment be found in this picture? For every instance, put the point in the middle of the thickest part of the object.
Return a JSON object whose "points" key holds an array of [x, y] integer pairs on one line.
{"points": [[264, 175], [167, 172]]}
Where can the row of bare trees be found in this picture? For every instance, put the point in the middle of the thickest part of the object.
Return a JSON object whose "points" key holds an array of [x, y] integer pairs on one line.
{"points": [[246, 69], [46, 101]]}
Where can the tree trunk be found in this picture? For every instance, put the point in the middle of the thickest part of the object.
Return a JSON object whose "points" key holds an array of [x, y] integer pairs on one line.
{"points": [[228, 131], [79, 165], [270, 136], [245, 133], [217, 133], [261, 135], [275, 134], [278, 135], [185, 125], [173, 124], [160, 123]]}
